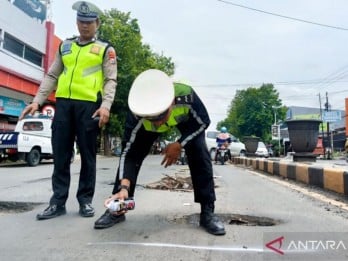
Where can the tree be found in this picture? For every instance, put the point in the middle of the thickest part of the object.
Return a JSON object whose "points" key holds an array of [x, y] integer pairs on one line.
{"points": [[133, 57], [251, 112]]}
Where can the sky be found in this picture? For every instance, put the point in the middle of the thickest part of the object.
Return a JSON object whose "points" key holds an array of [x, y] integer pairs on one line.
{"points": [[300, 46]]}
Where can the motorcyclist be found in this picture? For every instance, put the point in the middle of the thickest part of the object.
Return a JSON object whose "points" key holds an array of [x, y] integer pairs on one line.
{"points": [[223, 140]]}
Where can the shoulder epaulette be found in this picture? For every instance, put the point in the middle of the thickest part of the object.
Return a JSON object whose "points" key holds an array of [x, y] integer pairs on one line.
{"points": [[183, 93], [184, 99]]}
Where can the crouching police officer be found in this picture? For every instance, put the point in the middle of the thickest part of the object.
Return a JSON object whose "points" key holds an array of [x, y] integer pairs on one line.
{"points": [[157, 104]]}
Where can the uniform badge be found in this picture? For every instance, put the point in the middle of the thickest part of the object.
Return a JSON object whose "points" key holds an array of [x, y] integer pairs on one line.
{"points": [[84, 9], [95, 49], [66, 48]]}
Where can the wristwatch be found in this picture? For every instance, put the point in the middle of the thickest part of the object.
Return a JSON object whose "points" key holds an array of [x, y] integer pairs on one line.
{"points": [[123, 187]]}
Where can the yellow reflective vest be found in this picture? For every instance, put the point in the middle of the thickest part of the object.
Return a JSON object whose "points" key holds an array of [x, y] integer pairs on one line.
{"points": [[178, 114], [82, 78]]}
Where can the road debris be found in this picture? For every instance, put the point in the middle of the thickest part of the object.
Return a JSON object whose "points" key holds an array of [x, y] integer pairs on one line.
{"points": [[178, 182]]}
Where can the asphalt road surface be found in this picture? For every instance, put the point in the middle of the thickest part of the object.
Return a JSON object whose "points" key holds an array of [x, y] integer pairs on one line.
{"points": [[266, 218]]}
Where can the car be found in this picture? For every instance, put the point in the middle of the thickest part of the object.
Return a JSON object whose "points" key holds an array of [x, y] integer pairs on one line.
{"points": [[262, 150], [236, 147], [30, 141]]}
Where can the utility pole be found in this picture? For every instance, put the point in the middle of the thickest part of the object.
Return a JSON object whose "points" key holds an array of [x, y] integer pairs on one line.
{"points": [[328, 129], [322, 124], [277, 126]]}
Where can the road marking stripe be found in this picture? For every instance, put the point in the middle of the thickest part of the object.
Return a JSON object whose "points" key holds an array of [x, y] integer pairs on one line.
{"points": [[213, 248]]}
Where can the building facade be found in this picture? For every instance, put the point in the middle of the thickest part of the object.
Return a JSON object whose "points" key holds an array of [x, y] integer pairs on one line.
{"points": [[27, 48]]}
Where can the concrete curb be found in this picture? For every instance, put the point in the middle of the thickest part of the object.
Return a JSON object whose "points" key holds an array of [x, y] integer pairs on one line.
{"points": [[325, 177]]}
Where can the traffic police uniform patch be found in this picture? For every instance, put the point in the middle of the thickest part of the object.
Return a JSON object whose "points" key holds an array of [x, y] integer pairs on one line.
{"points": [[95, 49]]}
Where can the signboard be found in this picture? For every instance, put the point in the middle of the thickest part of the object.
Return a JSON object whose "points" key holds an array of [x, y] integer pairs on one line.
{"points": [[275, 132], [48, 110], [332, 116], [10, 106], [33, 8]]}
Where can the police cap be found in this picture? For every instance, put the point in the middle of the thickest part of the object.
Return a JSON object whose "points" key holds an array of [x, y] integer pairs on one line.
{"points": [[86, 11], [151, 94]]}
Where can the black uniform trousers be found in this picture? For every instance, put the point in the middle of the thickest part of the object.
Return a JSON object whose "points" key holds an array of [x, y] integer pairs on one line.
{"points": [[73, 121], [198, 157]]}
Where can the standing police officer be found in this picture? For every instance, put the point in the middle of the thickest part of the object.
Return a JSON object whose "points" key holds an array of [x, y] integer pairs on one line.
{"points": [[84, 73], [157, 105]]}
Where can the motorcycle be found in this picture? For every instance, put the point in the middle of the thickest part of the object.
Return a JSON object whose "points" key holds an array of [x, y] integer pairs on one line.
{"points": [[222, 154]]}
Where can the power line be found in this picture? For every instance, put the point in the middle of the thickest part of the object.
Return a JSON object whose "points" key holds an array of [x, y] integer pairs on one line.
{"points": [[337, 76], [284, 16], [296, 82], [333, 77]]}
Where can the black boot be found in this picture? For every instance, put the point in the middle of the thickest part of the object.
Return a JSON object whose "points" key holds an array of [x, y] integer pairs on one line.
{"points": [[51, 211], [108, 220], [210, 221]]}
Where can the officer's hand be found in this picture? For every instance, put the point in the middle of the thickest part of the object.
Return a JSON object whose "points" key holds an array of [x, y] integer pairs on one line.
{"points": [[30, 109], [121, 196], [103, 114], [171, 154]]}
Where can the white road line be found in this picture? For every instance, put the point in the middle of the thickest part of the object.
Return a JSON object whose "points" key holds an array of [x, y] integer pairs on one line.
{"points": [[212, 248]]}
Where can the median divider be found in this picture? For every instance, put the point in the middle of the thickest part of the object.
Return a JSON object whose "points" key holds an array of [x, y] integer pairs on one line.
{"points": [[311, 173]]}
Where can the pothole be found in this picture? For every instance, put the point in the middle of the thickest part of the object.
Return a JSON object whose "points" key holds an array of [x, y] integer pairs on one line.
{"points": [[16, 207], [231, 219]]}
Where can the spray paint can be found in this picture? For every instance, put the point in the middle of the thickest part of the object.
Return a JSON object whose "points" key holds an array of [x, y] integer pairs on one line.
{"points": [[121, 205]]}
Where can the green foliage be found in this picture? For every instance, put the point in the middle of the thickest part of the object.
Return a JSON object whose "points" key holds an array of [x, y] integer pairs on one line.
{"points": [[114, 125], [133, 57], [251, 112]]}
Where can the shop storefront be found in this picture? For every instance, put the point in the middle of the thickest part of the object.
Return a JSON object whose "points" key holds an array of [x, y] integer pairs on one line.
{"points": [[27, 49]]}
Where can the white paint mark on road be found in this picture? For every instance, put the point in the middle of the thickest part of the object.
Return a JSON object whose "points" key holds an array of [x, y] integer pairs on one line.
{"points": [[212, 248]]}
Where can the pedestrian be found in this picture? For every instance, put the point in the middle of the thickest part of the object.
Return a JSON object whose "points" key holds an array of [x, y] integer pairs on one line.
{"points": [[157, 105], [84, 73]]}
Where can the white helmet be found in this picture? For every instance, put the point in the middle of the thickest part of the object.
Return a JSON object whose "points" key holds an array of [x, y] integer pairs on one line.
{"points": [[151, 94]]}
